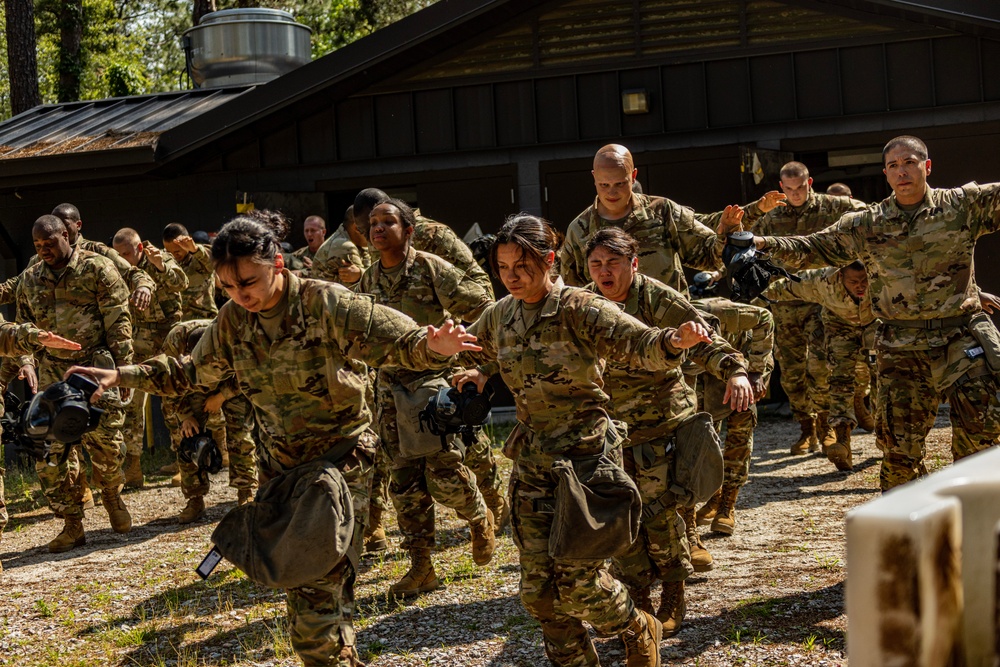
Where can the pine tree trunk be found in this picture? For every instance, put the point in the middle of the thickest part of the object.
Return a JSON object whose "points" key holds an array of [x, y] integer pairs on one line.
{"points": [[22, 62], [70, 52], [201, 7]]}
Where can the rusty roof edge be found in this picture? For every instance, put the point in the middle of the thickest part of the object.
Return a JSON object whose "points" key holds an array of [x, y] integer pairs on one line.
{"points": [[19, 168], [409, 34]]}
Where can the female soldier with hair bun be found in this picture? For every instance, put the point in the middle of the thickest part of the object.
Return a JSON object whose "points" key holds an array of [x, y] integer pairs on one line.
{"points": [[296, 348], [551, 344]]}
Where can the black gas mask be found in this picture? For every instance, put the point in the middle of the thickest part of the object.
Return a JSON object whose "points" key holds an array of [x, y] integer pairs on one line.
{"points": [[453, 411], [749, 270], [701, 286], [202, 451], [62, 413]]}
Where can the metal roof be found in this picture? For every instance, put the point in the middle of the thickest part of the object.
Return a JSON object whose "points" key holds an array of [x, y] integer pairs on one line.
{"points": [[99, 125]]}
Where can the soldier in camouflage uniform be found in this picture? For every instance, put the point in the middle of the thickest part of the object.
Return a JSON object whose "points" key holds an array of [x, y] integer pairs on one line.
{"points": [[149, 329], [799, 336], [198, 298], [23, 340], [81, 295], [670, 236], [187, 415], [550, 344], [298, 349], [750, 330], [344, 256], [429, 290], [314, 229], [439, 239], [654, 404], [850, 327], [917, 247]]}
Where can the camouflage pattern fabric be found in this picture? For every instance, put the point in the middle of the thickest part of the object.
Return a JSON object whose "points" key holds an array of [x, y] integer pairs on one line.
{"points": [[800, 350], [820, 210], [149, 328], [430, 290], [669, 235], [847, 346], [307, 389], [825, 287], [441, 240], [198, 299], [336, 251], [558, 389], [920, 268], [482, 463], [88, 303]]}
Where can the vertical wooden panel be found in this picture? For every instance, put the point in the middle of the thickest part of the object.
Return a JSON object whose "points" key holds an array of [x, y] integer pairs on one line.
{"points": [[990, 57], [863, 79], [394, 124], [684, 97], [280, 149], [515, 104], [728, 91], [435, 116], [599, 104], [317, 138], [956, 70], [817, 74], [772, 85], [555, 102], [474, 117], [355, 129], [911, 83]]}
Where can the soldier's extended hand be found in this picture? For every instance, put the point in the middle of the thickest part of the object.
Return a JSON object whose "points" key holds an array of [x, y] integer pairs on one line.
{"points": [[349, 273], [759, 386], [474, 375], [190, 427], [141, 298], [690, 334], [732, 218], [213, 403], [27, 373], [186, 242], [451, 339], [771, 200], [989, 302], [154, 256], [104, 377], [739, 393], [56, 342], [308, 263]]}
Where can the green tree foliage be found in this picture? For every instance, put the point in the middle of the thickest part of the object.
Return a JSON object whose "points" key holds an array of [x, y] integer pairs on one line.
{"points": [[131, 47]]}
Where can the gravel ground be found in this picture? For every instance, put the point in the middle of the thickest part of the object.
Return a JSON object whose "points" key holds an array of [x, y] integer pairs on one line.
{"points": [[775, 597]]}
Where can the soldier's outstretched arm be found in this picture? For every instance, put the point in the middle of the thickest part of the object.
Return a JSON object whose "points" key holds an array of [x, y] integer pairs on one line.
{"points": [[837, 245], [24, 339]]}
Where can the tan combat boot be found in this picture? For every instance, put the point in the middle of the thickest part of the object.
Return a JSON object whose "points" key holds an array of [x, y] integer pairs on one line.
{"points": [[866, 420], [420, 578], [88, 495], [192, 511], [672, 607], [641, 598], [824, 434], [176, 479], [725, 519], [169, 469], [807, 438], [72, 536], [484, 540], [121, 520], [133, 472], [375, 539], [501, 512], [839, 452], [708, 510], [243, 496], [642, 641], [701, 560]]}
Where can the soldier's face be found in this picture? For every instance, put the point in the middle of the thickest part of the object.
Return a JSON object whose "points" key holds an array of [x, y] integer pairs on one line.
{"points": [[907, 174], [253, 285], [523, 279], [361, 221], [175, 250], [314, 232], [612, 273], [856, 282], [53, 248], [796, 189], [387, 231], [131, 253], [614, 189]]}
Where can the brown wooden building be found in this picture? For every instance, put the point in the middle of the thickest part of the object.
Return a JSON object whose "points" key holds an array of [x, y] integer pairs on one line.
{"points": [[474, 109]]}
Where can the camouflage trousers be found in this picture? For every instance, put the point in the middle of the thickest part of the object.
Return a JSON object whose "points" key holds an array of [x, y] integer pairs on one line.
{"points": [[3, 504], [737, 446], [321, 615], [911, 384], [799, 349], [146, 344], [416, 483], [846, 345], [661, 552], [233, 428], [560, 594]]}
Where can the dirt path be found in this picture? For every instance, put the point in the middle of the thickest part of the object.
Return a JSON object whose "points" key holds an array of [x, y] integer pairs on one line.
{"points": [[776, 595]]}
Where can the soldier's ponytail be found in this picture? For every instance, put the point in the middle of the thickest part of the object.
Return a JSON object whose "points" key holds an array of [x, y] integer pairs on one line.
{"points": [[535, 237], [256, 235]]}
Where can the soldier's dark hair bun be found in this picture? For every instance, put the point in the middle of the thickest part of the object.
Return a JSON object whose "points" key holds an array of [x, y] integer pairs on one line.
{"points": [[255, 235], [536, 237]]}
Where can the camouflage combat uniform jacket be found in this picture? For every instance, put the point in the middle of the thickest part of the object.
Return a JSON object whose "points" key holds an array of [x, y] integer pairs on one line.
{"points": [[337, 251], [825, 287], [747, 328], [198, 298], [151, 326], [307, 387], [87, 302], [653, 403], [669, 235], [441, 240]]}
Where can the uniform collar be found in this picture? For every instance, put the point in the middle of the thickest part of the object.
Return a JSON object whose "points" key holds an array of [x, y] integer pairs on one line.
{"points": [[295, 316], [411, 256], [929, 203], [631, 305], [640, 211], [549, 308]]}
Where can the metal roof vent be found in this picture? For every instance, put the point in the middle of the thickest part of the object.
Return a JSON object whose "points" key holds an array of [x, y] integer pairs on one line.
{"points": [[236, 47]]}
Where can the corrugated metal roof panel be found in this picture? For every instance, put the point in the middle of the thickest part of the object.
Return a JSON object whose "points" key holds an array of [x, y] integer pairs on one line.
{"points": [[99, 125]]}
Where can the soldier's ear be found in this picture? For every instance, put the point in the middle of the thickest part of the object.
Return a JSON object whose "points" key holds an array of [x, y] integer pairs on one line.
{"points": [[928, 163], [279, 262]]}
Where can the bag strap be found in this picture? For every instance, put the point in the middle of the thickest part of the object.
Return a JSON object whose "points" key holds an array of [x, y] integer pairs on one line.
{"points": [[649, 510]]}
